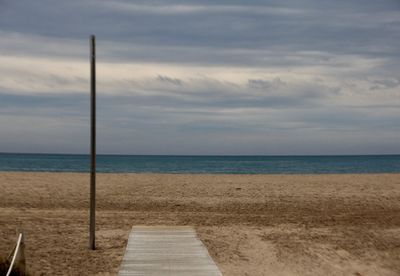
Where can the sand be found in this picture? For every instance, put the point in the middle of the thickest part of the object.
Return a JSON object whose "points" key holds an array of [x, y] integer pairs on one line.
{"points": [[251, 224]]}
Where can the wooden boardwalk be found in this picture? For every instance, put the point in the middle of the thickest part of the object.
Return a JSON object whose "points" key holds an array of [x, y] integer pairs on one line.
{"points": [[166, 250]]}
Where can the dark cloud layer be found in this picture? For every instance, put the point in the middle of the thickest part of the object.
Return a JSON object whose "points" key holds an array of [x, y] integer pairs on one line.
{"points": [[340, 28]]}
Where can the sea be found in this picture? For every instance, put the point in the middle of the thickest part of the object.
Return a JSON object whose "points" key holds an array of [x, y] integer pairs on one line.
{"points": [[11, 162]]}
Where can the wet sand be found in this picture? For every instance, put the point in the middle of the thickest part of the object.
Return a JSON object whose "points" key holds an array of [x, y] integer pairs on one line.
{"points": [[251, 224]]}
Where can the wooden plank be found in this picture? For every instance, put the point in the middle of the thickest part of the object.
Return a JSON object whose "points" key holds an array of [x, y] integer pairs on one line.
{"points": [[166, 250]]}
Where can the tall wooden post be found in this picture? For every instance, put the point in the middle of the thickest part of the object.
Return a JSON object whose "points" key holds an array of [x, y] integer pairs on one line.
{"points": [[92, 228]]}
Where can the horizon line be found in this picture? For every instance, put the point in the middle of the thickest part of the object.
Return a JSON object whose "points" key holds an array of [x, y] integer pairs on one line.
{"points": [[200, 155]]}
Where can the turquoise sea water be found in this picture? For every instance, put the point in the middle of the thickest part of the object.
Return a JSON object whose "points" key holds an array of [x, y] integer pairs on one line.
{"points": [[202, 164]]}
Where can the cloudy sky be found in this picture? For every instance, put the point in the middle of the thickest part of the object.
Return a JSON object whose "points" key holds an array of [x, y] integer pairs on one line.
{"points": [[202, 77]]}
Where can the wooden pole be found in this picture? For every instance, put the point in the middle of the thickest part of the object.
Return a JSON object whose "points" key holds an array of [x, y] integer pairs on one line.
{"points": [[92, 230]]}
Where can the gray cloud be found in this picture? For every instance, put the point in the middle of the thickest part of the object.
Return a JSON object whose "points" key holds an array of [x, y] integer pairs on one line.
{"points": [[169, 80], [308, 25], [385, 83], [265, 84]]}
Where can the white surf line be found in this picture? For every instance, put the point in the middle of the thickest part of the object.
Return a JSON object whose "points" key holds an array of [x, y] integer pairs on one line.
{"points": [[166, 250]]}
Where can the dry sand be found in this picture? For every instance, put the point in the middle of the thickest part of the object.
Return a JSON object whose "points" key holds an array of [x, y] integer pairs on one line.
{"points": [[251, 224]]}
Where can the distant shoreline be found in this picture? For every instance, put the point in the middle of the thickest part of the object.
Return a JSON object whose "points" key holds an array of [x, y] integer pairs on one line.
{"points": [[199, 174]]}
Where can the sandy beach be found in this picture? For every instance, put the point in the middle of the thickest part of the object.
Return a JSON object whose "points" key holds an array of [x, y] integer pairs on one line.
{"points": [[251, 224]]}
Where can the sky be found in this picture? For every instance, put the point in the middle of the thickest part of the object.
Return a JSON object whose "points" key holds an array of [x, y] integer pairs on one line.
{"points": [[271, 77]]}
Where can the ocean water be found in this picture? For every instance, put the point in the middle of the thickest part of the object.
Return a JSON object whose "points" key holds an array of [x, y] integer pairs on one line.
{"points": [[202, 164]]}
